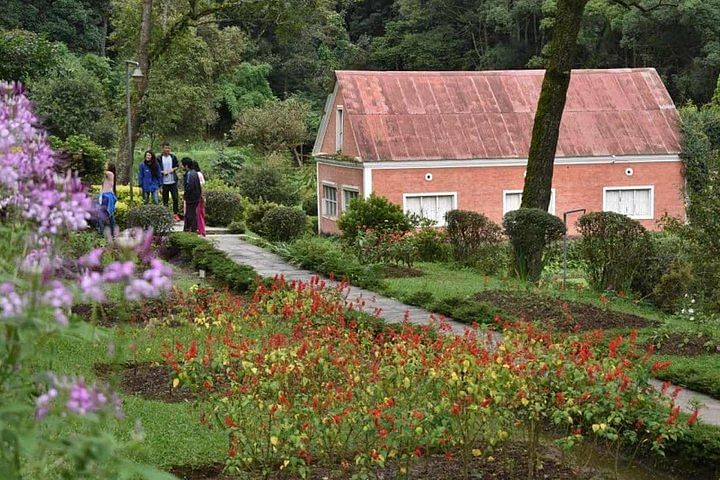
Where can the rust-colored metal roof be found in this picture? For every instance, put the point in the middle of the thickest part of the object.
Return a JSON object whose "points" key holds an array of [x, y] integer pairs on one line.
{"points": [[487, 115]]}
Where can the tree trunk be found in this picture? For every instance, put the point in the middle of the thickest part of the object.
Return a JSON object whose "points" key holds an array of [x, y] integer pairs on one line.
{"points": [[125, 165], [560, 59]]}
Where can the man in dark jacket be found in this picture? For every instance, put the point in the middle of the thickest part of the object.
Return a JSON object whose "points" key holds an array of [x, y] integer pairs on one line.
{"points": [[168, 166], [193, 192]]}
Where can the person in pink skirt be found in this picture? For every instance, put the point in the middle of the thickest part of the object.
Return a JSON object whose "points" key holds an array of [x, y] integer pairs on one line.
{"points": [[200, 210]]}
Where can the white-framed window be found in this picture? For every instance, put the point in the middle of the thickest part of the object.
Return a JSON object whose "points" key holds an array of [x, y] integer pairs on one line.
{"points": [[635, 202], [433, 206], [512, 199], [329, 203], [339, 120], [349, 193]]}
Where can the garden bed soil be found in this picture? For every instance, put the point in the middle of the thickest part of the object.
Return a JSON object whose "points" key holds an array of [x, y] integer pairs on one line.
{"points": [[146, 380], [507, 464], [399, 271], [563, 315], [688, 345]]}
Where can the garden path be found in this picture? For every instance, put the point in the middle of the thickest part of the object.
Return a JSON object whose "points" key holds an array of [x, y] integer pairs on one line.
{"points": [[269, 264]]}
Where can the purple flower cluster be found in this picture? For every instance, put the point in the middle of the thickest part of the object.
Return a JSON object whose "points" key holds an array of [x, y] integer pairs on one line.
{"points": [[79, 398], [56, 203]]}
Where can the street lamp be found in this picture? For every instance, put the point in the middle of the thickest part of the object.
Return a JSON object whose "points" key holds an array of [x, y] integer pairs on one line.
{"points": [[137, 73]]}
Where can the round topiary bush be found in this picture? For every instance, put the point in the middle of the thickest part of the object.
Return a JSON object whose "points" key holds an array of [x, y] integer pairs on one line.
{"points": [[222, 207], [236, 227], [615, 247], [530, 230], [474, 238], [377, 213], [255, 215], [156, 217], [281, 224]]}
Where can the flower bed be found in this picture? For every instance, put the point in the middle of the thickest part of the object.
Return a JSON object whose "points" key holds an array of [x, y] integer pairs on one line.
{"points": [[297, 381]]}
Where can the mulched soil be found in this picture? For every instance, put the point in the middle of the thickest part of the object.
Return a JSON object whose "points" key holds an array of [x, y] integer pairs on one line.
{"points": [[564, 315], [686, 345], [508, 464], [153, 382], [399, 271]]}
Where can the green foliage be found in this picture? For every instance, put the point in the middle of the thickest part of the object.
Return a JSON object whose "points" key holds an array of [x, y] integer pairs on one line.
{"points": [[665, 249], [81, 155], [227, 165], [245, 87], [274, 126], [310, 205], [376, 213], [474, 239], [222, 207], [26, 55], [203, 255], [614, 247], [326, 256], [375, 246], [464, 310], [236, 227], [255, 215], [432, 245], [530, 230], [156, 217], [673, 286], [74, 102], [282, 224], [265, 182]]}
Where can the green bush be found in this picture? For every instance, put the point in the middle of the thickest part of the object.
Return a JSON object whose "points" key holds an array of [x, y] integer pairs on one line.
{"points": [[614, 248], [376, 213], [222, 207], [530, 230], [473, 238], [81, 155], [310, 205], [266, 183], [255, 215], [156, 217], [464, 310], [227, 165], [432, 245], [673, 287], [326, 256], [664, 249], [236, 227], [78, 244], [374, 246], [282, 224], [204, 255]]}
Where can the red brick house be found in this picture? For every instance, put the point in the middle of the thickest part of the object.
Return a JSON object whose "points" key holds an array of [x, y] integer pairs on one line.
{"points": [[436, 141]]}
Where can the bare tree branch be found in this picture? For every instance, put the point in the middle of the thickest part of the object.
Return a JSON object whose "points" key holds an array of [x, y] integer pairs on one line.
{"points": [[629, 4]]}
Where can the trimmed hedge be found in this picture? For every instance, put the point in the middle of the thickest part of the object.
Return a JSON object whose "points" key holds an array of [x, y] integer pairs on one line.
{"points": [[222, 207], [156, 217], [282, 224], [203, 255]]}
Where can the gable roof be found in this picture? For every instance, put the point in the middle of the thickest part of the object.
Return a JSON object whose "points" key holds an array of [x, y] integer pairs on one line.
{"points": [[488, 115]]}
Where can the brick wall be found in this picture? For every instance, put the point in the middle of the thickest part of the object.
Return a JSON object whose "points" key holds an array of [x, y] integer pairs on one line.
{"points": [[576, 186], [338, 177]]}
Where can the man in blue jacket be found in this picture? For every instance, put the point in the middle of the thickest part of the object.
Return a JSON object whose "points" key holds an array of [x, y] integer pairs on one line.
{"points": [[168, 166]]}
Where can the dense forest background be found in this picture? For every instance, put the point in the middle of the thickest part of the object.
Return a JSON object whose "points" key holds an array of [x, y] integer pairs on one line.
{"points": [[258, 71]]}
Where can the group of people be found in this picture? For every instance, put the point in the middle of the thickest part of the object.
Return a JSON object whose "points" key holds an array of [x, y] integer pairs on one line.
{"points": [[160, 173]]}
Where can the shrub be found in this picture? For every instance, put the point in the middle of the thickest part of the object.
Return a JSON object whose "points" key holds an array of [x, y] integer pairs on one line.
{"points": [[673, 286], [183, 244], [310, 206], [81, 155], [156, 217], [464, 310], [473, 237], [255, 216], [664, 249], [376, 213], [614, 247], [326, 256], [227, 165], [236, 227], [281, 224], [266, 183], [222, 207], [432, 245], [530, 230], [373, 246]]}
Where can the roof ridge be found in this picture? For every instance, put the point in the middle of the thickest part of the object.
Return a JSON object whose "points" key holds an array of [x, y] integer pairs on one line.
{"points": [[519, 71]]}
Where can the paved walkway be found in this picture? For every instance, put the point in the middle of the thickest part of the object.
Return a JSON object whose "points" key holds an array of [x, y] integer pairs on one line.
{"points": [[269, 264]]}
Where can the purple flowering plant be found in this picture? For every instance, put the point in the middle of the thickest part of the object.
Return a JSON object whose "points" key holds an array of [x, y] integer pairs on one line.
{"points": [[40, 207]]}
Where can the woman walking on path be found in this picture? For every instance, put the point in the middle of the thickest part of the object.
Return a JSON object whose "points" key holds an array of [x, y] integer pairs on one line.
{"points": [[192, 195], [200, 212], [149, 178], [107, 200]]}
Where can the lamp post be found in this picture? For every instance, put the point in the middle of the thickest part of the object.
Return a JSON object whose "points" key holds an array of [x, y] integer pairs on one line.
{"points": [[137, 73], [565, 243]]}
